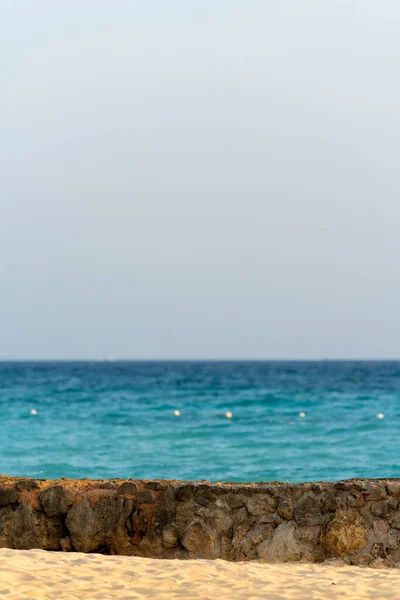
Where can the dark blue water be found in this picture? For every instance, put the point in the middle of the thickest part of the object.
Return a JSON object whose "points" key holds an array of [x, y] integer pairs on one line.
{"points": [[102, 419]]}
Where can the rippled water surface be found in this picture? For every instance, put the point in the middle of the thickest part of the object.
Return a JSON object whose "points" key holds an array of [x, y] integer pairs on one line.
{"points": [[116, 419]]}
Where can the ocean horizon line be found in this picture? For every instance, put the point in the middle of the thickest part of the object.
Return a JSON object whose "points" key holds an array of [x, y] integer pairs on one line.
{"points": [[193, 360]]}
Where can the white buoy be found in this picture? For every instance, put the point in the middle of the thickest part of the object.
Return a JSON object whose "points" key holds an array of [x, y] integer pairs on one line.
{"points": [[228, 414], [302, 414], [33, 411], [380, 416], [177, 413]]}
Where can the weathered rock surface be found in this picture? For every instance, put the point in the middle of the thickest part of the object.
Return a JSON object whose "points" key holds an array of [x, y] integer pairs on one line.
{"points": [[55, 500], [200, 541], [357, 521], [346, 534], [90, 526]]}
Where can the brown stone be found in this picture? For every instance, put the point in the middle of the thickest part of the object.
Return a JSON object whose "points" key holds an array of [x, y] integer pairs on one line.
{"points": [[145, 497], [355, 500], [55, 500], [261, 504], [242, 516], [128, 487], [376, 491], [313, 555], [88, 527], [200, 541], [272, 489], [151, 546], [108, 485], [170, 536], [6, 515], [343, 485], [307, 511], [229, 502], [184, 492], [381, 508], [184, 514], [310, 534], [205, 498], [165, 509], [346, 534], [393, 487], [82, 527], [28, 529], [364, 560], [27, 484], [137, 525], [66, 544], [395, 520], [242, 547], [395, 557], [8, 496], [379, 550], [383, 534], [380, 529], [154, 485], [317, 487], [285, 509], [270, 518], [328, 504], [219, 520], [282, 547], [360, 485], [260, 532], [119, 541]]}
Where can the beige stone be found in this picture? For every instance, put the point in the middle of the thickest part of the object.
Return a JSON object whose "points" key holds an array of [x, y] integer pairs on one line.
{"points": [[346, 534], [200, 541], [261, 504], [283, 546], [170, 536]]}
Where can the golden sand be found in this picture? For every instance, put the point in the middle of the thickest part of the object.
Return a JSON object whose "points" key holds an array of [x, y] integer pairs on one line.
{"points": [[74, 576]]}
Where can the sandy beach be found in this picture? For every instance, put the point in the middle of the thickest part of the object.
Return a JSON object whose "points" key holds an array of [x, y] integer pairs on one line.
{"points": [[73, 576]]}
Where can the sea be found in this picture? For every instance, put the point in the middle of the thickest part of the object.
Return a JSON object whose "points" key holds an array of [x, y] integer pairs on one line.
{"points": [[238, 421]]}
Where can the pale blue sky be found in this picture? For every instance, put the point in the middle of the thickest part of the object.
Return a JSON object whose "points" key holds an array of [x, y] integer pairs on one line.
{"points": [[199, 178]]}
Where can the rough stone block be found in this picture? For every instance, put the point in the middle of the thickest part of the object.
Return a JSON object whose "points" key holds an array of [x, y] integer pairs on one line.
{"points": [[128, 487], [145, 497], [55, 500], [261, 504], [393, 488], [346, 534], [88, 527], [283, 546], [8, 496], [200, 541], [307, 511], [170, 536]]}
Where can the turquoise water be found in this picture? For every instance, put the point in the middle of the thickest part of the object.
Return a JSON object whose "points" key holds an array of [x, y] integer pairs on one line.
{"points": [[103, 419]]}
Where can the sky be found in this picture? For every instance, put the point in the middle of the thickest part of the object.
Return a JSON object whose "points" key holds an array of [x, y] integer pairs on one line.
{"points": [[199, 179]]}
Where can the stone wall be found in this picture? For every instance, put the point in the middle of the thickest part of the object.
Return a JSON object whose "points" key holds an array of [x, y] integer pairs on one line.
{"points": [[354, 520]]}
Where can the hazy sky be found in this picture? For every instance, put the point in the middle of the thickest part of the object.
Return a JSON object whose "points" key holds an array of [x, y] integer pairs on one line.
{"points": [[199, 178]]}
